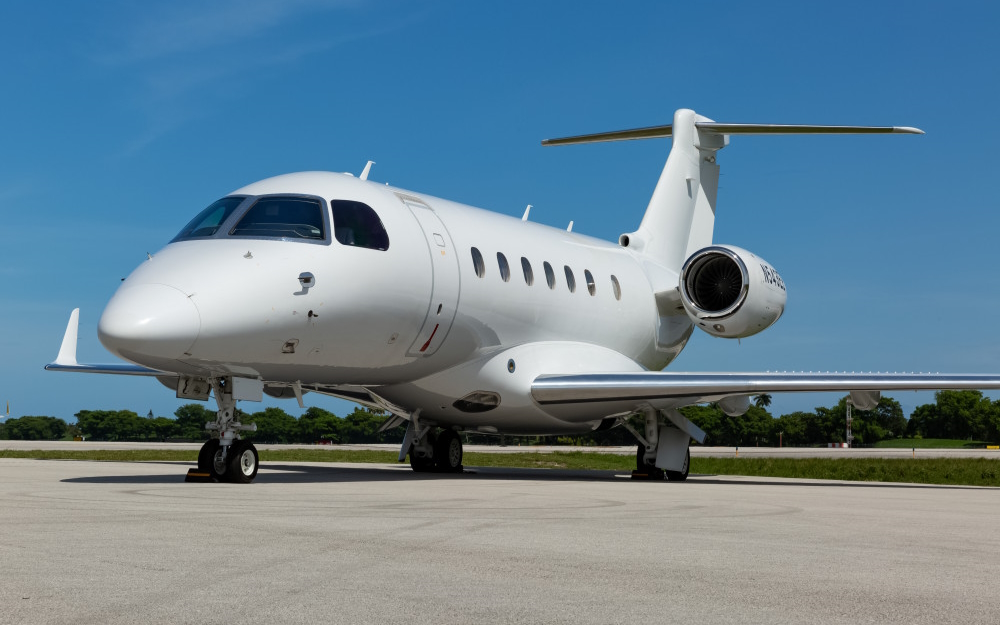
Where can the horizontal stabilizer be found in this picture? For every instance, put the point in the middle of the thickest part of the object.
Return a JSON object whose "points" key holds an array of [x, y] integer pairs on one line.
{"points": [[653, 132]]}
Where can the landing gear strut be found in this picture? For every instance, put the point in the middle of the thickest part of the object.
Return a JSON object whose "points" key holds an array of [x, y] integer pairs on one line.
{"points": [[227, 458]]}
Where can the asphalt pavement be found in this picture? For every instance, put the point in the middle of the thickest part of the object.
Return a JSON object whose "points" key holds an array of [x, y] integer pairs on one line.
{"points": [[108, 542]]}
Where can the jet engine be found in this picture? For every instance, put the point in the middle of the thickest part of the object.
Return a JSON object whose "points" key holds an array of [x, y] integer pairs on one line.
{"points": [[731, 293]]}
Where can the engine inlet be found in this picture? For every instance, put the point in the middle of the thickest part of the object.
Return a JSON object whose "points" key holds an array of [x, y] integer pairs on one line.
{"points": [[715, 281]]}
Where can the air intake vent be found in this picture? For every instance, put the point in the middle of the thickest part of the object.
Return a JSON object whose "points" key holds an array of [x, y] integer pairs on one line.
{"points": [[479, 401]]}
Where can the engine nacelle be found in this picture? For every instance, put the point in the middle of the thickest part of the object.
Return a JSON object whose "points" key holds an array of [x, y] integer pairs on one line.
{"points": [[731, 293]]}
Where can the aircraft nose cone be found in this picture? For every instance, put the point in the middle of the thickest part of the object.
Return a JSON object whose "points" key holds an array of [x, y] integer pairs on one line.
{"points": [[149, 322]]}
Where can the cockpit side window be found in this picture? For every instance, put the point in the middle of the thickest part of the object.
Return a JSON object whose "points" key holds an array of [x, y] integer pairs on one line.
{"points": [[284, 217], [208, 221], [357, 224]]}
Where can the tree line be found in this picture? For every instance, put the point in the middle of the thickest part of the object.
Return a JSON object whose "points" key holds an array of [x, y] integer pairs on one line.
{"points": [[953, 415], [274, 425]]}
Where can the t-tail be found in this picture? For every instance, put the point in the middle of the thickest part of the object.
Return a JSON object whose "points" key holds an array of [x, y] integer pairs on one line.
{"points": [[680, 218]]}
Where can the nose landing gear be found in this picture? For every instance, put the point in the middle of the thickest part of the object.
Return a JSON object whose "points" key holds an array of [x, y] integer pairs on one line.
{"points": [[227, 458]]}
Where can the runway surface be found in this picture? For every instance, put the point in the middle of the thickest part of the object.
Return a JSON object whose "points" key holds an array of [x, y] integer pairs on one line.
{"points": [[697, 451], [104, 542]]}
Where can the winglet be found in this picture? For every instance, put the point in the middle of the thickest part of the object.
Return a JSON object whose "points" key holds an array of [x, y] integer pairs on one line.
{"points": [[66, 360], [67, 352]]}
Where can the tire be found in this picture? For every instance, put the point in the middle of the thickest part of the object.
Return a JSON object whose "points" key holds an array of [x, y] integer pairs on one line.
{"points": [[420, 465], [448, 452], [680, 476], [643, 467], [210, 461], [242, 462], [640, 458]]}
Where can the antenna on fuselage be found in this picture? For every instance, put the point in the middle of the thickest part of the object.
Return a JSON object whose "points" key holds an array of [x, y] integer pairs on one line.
{"points": [[526, 211], [368, 168], [569, 228]]}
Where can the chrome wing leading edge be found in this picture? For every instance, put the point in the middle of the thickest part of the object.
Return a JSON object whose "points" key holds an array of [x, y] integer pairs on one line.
{"points": [[694, 388]]}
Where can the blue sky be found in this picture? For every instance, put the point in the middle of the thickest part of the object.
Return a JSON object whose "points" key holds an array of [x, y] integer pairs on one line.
{"points": [[121, 120]]}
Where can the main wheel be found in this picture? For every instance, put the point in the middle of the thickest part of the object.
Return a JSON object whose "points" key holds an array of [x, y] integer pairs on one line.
{"points": [[242, 462], [648, 468], [680, 476], [419, 464], [210, 459], [640, 458], [448, 452]]}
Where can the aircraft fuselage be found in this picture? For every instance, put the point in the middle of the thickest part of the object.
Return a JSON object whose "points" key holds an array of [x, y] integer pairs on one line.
{"points": [[437, 299]]}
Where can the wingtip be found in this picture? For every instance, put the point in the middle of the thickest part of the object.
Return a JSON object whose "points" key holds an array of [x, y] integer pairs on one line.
{"points": [[909, 130], [67, 351]]}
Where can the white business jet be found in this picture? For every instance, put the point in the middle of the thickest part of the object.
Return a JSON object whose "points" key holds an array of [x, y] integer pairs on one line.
{"points": [[453, 318]]}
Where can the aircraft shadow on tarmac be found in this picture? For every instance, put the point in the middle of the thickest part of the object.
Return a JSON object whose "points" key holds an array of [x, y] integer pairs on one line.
{"points": [[305, 474]]}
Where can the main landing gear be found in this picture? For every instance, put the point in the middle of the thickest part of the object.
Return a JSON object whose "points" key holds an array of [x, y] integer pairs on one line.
{"points": [[645, 470], [430, 452], [664, 451], [227, 458]]}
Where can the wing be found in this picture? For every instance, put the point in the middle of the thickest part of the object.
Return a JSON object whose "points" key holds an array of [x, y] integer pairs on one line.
{"points": [[673, 390]]}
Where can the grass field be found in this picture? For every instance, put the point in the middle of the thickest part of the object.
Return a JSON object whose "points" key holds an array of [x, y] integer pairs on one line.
{"points": [[950, 471]]}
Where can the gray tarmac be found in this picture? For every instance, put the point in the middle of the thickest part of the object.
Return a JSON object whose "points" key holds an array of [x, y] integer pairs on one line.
{"points": [[106, 542], [696, 450]]}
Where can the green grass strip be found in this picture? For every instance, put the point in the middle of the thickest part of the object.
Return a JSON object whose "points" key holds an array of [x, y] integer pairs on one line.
{"points": [[929, 443], [947, 471]]}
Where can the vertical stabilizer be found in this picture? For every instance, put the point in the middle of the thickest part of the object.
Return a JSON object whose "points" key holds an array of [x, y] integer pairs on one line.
{"points": [[680, 217]]}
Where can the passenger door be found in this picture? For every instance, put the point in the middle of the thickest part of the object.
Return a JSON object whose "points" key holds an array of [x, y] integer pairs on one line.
{"points": [[445, 280]]}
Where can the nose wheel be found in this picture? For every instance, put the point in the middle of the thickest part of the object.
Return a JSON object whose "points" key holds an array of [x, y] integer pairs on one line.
{"points": [[237, 463], [241, 466], [225, 457], [212, 459]]}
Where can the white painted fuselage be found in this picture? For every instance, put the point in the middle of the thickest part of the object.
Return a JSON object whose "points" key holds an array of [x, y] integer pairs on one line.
{"points": [[415, 323]]}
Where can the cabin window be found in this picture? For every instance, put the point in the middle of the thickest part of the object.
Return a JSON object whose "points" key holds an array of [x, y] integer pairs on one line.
{"points": [[591, 285], [570, 280], [550, 276], [283, 217], [208, 221], [617, 288], [504, 267], [478, 263], [356, 224], [529, 275]]}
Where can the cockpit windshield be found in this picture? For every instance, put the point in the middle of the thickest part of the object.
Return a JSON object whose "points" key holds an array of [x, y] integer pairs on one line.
{"points": [[208, 221], [284, 217]]}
